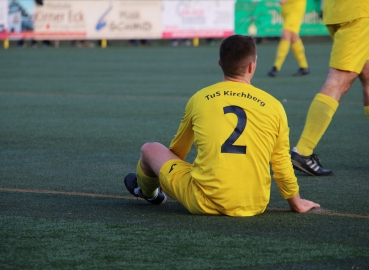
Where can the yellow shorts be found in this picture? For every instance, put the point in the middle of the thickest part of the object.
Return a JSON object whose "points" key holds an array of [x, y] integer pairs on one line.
{"points": [[176, 181], [293, 15], [350, 48]]}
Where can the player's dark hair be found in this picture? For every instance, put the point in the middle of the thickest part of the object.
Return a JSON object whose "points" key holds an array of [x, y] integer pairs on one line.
{"points": [[236, 53]]}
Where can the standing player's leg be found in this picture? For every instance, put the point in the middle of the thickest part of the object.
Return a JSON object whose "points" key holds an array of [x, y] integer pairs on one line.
{"points": [[145, 182], [364, 78], [319, 117], [282, 51], [348, 59], [292, 18], [298, 50]]}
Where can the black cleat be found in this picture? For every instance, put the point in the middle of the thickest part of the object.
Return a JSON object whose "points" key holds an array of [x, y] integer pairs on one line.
{"points": [[302, 72], [131, 184], [273, 72], [309, 165]]}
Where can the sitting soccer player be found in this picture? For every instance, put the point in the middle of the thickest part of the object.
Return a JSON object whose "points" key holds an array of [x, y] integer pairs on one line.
{"points": [[238, 130], [293, 12]]}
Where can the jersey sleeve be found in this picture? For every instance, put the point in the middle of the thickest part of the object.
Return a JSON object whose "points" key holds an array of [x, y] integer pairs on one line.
{"points": [[182, 142], [284, 174]]}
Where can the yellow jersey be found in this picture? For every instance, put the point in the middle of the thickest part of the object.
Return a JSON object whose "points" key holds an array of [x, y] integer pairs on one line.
{"points": [[238, 130], [339, 11]]}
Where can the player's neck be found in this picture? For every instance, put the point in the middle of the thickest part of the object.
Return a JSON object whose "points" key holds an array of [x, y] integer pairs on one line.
{"points": [[244, 80]]}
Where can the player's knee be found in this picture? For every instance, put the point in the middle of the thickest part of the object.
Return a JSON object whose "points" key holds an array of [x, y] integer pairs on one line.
{"points": [[286, 34], [340, 80], [149, 149], [146, 151], [295, 37]]}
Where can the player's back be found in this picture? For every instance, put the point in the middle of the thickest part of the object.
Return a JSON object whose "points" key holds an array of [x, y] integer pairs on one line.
{"points": [[235, 130]]}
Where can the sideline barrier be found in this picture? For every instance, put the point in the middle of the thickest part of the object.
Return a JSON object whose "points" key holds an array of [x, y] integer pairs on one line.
{"points": [[116, 19], [147, 19]]}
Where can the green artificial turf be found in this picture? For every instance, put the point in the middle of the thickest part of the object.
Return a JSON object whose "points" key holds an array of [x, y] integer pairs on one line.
{"points": [[48, 243], [73, 120]]}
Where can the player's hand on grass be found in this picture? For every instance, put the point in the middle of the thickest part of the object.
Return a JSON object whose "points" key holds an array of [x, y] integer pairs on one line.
{"points": [[301, 205], [307, 205]]}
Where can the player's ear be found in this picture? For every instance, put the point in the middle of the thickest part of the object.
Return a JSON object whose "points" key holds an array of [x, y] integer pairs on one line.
{"points": [[250, 68], [252, 65], [219, 63]]}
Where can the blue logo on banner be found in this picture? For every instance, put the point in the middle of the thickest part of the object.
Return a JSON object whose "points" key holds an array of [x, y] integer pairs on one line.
{"points": [[102, 23]]}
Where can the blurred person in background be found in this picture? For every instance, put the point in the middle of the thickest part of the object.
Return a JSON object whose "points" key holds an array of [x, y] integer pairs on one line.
{"points": [[82, 43], [293, 12], [184, 41], [142, 42]]}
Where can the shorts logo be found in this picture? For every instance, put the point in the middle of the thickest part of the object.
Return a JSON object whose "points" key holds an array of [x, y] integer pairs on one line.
{"points": [[172, 167]]}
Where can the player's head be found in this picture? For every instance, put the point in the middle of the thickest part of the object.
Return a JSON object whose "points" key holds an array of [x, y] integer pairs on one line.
{"points": [[236, 54]]}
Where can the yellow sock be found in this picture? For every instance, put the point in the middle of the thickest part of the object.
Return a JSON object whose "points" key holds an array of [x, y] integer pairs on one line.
{"points": [[299, 53], [318, 119], [366, 109], [282, 51], [147, 184]]}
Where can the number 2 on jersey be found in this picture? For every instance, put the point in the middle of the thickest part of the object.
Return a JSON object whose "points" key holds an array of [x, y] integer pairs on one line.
{"points": [[228, 146]]}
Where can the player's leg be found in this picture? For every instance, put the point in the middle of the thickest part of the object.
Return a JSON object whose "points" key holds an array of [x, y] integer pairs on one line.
{"points": [[293, 17], [348, 57], [145, 182], [298, 50], [153, 157], [348, 60], [177, 182], [319, 117], [158, 162], [323, 107], [364, 78], [282, 51]]}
